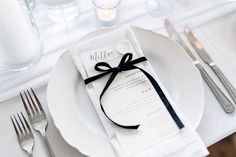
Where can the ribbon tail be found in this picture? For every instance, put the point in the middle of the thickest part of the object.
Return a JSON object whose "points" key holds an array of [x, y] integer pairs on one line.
{"points": [[164, 99], [112, 77]]}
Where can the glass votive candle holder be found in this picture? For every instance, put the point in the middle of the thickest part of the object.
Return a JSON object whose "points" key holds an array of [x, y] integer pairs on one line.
{"points": [[106, 11], [20, 42]]}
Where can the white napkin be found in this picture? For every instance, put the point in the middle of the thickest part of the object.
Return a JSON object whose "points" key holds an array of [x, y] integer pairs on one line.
{"points": [[186, 144]]}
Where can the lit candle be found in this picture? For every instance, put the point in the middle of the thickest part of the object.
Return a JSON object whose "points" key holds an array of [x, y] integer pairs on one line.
{"points": [[107, 15], [19, 42]]}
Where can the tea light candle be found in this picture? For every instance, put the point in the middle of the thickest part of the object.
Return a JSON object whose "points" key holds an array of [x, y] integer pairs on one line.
{"points": [[19, 41], [106, 11], [108, 15]]}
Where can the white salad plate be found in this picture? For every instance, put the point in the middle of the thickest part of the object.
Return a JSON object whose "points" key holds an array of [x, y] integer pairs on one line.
{"points": [[77, 120]]}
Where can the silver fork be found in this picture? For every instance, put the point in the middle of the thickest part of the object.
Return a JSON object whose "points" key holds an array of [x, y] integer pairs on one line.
{"points": [[36, 115], [24, 133]]}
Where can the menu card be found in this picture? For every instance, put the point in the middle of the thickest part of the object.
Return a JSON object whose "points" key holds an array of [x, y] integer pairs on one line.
{"points": [[130, 100]]}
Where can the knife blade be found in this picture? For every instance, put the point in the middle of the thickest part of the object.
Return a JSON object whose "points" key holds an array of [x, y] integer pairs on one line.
{"points": [[225, 103], [176, 37], [198, 47], [207, 59]]}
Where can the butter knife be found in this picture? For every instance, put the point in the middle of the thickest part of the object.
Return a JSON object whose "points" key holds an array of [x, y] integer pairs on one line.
{"points": [[207, 59], [221, 97]]}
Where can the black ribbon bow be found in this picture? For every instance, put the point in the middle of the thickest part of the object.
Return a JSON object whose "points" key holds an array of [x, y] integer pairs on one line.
{"points": [[126, 64]]}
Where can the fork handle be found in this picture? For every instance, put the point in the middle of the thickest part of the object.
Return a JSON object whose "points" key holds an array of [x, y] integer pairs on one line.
{"points": [[46, 141], [30, 154]]}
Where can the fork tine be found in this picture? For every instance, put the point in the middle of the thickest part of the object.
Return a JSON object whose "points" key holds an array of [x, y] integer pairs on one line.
{"points": [[24, 135], [14, 125], [26, 123], [24, 128], [33, 102], [24, 103], [30, 105], [38, 102], [18, 125]]}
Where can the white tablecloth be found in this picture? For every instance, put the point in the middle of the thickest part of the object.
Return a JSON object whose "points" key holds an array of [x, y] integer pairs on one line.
{"points": [[214, 126]]}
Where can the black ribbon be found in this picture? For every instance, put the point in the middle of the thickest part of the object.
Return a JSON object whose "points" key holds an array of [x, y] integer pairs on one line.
{"points": [[126, 64]]}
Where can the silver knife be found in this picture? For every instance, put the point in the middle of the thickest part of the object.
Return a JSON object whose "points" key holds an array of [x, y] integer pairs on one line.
{"points": [[207, 59], [221, 97]]}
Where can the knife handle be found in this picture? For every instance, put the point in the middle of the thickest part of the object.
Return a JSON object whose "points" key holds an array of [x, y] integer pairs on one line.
{"points": [[228, 86], [220, 96]]}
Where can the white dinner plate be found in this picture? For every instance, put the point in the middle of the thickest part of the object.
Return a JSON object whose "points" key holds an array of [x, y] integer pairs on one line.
{"points": [[74, 115]]}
